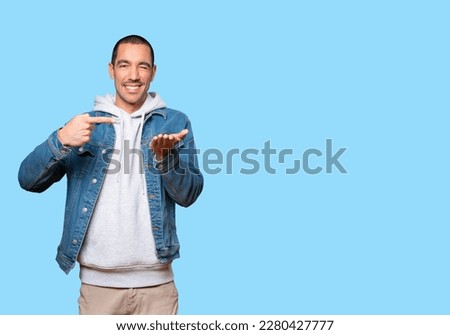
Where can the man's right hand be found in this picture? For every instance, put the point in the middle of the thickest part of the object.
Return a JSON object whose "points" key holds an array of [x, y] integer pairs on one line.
{"points": [[78, 130]]}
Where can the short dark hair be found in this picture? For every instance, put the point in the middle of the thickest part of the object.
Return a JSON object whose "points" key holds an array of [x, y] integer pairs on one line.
{"points": [[133, 39]]}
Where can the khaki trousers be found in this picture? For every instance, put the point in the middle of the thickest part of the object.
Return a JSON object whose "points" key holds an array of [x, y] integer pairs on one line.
{"points": [[155, 300]]}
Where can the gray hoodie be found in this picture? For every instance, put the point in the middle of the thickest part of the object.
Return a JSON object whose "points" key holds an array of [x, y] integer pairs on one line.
{"points": [[119, 248]]}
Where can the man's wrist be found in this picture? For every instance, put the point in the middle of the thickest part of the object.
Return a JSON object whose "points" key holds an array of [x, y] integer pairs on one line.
{"points": [[61, 139], [167, 162]]}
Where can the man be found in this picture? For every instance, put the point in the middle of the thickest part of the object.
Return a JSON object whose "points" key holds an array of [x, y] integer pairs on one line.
{"points": [[128, 162]]}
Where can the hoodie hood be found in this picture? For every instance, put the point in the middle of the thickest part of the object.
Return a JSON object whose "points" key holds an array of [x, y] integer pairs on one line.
{"points": [[107, 104]]}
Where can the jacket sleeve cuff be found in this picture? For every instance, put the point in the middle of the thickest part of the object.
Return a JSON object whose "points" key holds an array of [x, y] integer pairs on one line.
{"points": [[58, 149], [168, 162]]}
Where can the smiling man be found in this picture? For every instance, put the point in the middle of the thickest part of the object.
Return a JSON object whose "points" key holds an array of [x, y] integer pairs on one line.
{"points": [[128, 163]]}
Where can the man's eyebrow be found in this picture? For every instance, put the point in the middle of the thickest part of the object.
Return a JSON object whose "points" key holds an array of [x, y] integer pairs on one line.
{"points": [[122, 61], [145, 63]]}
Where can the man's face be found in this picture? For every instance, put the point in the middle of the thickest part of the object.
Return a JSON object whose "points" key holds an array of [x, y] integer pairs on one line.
{"points": [[132, 73]]}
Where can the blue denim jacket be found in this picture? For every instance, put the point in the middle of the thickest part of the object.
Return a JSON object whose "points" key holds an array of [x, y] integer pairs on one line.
{"points": [[176, 179]]}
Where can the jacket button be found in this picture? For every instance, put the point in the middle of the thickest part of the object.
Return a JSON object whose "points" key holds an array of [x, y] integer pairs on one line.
{"points": [[80, 149], [84, 210], [74, 242], [94, 181], [104, 151]]}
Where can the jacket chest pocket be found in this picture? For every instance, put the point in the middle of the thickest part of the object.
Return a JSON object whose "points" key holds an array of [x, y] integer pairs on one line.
{"points": [[87, 149], [85, 157]]}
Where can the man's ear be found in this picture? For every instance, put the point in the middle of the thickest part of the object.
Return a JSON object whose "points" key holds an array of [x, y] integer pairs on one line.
{"points": [[111, 70], [153, 73]]}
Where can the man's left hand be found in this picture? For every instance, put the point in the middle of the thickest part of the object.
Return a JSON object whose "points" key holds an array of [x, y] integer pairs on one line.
{"points": [[162, 144]]}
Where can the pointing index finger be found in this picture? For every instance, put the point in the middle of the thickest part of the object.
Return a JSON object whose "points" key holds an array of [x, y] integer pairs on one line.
{"points": [[100, 119]]}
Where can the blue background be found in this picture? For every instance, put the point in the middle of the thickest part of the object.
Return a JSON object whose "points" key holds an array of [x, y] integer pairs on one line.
{"points": [[371, 75]]}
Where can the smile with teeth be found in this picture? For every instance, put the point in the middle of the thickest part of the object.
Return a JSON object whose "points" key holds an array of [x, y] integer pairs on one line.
{"points": [[132, 87]]}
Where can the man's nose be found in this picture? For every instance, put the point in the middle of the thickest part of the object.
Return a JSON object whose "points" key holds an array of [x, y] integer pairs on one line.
{"points": [[134, 73]]}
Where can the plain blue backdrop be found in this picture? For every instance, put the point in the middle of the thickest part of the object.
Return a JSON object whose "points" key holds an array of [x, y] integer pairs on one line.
{"points": [[373, 76]]}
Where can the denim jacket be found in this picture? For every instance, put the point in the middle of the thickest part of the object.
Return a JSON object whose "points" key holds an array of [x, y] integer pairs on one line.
{"points": [[174, 180]]}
